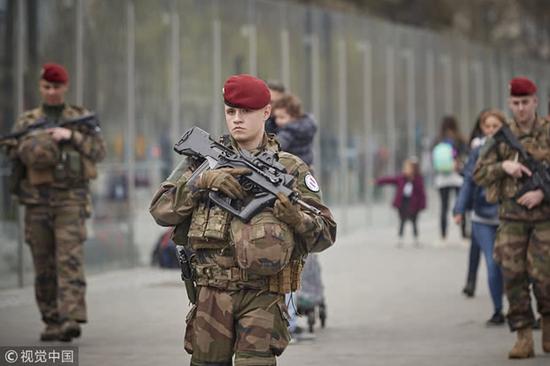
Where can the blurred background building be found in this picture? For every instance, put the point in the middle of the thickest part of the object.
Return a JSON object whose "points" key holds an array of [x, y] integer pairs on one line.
{"points": [[377, 75]]}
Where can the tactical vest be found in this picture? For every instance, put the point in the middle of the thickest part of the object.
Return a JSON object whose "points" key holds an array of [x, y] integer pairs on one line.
{"points": [[49, 183], [232, 254]]}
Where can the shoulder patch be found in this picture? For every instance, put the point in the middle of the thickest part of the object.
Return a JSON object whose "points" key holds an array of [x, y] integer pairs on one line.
{"points": [[311, 183]]}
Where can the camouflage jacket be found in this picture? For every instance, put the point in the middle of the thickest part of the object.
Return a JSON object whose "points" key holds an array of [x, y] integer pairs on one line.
{"points": [[89, 148], [503, 187], [175, 203]]}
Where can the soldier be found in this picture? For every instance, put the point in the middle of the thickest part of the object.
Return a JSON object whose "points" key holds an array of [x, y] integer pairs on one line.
{"points": [[522, 246], [56, 166], [242, 269]]}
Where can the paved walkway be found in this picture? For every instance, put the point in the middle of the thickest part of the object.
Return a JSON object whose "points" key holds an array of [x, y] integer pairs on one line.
{"points": [[386, 306]]}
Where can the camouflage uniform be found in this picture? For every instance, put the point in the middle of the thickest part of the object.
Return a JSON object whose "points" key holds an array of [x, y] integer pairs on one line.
{"points": [[522, 246], [242, 270], [57, 200]]}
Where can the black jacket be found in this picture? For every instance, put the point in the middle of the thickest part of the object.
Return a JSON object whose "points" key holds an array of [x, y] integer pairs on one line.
{"points": [[271, 126], [297, 138]]}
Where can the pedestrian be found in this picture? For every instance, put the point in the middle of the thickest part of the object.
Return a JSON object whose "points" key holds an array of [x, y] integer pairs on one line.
{"points": [[276, 91], [243, 270], [485, 214], [474, 253], [448, 155], [522, 246], [295, 129], [295, 133], [58, 164], [409, 198]]}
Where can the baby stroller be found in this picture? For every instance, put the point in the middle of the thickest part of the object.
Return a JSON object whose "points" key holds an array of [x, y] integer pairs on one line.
{"points": [[310, 300]]}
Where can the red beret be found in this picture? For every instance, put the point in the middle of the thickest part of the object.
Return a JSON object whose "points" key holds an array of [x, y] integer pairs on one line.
{"points": [[54, 73], [246, 91], [520, 87]]}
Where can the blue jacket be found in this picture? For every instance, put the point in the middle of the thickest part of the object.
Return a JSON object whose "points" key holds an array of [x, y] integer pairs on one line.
{"points": [[471, 196]]}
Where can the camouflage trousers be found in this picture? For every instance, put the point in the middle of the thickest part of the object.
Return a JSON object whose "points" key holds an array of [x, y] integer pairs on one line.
{"points": [[250, 324], [523, 251], [55, 236]]}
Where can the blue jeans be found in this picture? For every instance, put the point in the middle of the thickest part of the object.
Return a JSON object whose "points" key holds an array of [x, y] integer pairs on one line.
{"points": [[484, 236]]}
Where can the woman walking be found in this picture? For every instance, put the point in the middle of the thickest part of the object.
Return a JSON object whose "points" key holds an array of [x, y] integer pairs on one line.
{"points": [[484, 215]]}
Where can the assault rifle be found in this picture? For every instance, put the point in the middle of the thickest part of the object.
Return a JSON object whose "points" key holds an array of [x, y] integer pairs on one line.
{"points": [[540, 178], [187, 272], [267, 178], [89, 120]]}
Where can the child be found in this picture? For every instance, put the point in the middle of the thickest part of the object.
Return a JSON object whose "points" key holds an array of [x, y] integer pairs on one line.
{"points": [[410, 197], [295, 128], [476, 139]]}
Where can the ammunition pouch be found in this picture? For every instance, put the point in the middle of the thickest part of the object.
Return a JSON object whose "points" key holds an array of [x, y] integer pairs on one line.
{"points": [[288, 280], [72, 167], [69, 168], [209, 227]]}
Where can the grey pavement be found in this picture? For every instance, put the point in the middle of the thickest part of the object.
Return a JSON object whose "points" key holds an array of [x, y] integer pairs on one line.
{"points": [[386, 306]]}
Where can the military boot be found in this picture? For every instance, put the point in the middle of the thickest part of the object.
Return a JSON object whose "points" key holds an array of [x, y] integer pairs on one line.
{"points": [[69, 330], [50, 333], [524, 347], [546, 334]]}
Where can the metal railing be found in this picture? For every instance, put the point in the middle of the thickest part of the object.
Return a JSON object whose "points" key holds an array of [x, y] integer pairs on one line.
{"points": [[152, 69]]}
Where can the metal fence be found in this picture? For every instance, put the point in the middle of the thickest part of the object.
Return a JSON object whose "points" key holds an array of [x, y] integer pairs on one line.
{"points": [[152, 69]]}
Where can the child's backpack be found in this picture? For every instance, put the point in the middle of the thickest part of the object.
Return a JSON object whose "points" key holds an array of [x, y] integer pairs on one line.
{"points": [[443, 157]]}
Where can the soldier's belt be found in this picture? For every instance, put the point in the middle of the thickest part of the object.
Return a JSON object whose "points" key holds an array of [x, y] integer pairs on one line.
{"points": [[233, 278], [213, 271]]}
